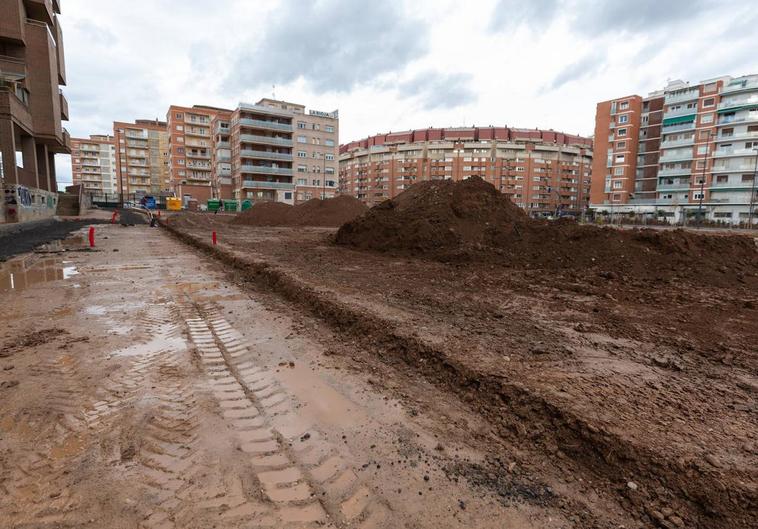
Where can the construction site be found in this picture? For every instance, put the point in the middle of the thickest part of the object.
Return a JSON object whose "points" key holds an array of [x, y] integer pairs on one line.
{"points": [[438, 360]]}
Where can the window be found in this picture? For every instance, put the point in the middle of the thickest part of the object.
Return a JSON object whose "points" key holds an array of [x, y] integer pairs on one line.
{"points": [[751, 144], [302, 139], [329, 143], [302, 181], [316, 141], [288, 195], [179, 115], [624, 105], [180, 127], [618, 171], [180, 139], [316, 126], [623, 119], [329, 170], [180, 150], [618, 184], [698, 196], [620, 145], [706, 118], [328, 128], [330, 156], [703, 135], [621, 132], [727, 133], [620, 158], [709, 102], [747, 178], [302, 168], [702, 149], [302, 154], [301, 124], [316, 182], [722, 178]]}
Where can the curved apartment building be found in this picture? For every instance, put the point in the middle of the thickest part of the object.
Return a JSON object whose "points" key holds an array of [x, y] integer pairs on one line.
{"points": [[542, 171]]}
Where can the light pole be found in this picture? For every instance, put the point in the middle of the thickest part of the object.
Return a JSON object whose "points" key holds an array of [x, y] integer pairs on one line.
{"points": [[702, 179], [752, 191]]}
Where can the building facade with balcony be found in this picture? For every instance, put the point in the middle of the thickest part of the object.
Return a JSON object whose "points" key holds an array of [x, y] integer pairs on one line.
{"points": [[93, 164], [544, 172], [221, 156], [315, 150], [688, 150], [191, 151], [32, 106], [142, 158]]}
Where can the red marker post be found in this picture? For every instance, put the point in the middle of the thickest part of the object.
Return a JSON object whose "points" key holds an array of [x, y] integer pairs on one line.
{"points": [[213, 238], [113, 217], [91, 236]]}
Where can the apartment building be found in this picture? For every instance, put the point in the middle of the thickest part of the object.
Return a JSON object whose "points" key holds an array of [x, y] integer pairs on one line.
{"points": [[32, 107], [191, 150], [221, 156], [93, 164], [687, 151], [542, 171], [142, 158], [315, 150]]}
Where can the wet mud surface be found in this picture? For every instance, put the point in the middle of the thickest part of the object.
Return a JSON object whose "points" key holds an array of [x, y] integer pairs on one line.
{"points": [[615, 397], [142, 387]]}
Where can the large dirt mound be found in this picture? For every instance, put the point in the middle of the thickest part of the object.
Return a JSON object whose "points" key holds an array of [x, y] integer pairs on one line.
{"points": [[315, 212], [471, 220]]}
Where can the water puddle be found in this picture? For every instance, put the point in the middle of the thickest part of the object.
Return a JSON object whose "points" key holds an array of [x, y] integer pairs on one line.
{"points": [[21, 273]]}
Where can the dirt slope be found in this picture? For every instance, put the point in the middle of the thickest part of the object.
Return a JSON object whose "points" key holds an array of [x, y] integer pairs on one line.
{"points": [[315, 212]]}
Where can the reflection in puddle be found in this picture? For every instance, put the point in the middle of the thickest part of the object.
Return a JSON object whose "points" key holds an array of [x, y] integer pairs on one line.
{"points": [[23, 272]]}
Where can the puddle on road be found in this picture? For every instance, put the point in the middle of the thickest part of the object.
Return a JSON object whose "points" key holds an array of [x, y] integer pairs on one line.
{"points": [[157, 345], [21, 273]]}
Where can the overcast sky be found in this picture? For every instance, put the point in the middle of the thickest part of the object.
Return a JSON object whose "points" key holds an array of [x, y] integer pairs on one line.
{"points": [[392, 65]]}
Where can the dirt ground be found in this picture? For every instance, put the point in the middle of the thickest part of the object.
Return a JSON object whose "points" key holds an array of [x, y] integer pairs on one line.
{"points": [[631, 402], [143, 385]]}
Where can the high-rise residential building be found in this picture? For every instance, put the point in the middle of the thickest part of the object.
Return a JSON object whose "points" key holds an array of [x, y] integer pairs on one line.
{"points": [[261, 146], [542, 171], [32, 106], [93, 164], [689, 150], [142, 158], [191, 140], [221, 156], [315, 150]]}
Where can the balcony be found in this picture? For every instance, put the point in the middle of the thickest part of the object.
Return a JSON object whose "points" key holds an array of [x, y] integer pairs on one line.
{"points": [[680, 186], [254, 184], [723, 153], [684, 111], [223, 158], [64, 105], [12, 68], [265, 140], [736, 136], [678, 142], [223, 145], [201, 156], [741, 86], [737, 103], [199, 165], [203, 133], [675, 157], [676, 172], [679, 97], [264, 169], [266, 155], [744, 118], [268, 125], [742, 168], [221, 129], [690, 125]]}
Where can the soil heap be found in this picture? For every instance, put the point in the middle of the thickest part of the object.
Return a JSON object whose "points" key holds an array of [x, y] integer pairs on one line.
{"points": [[471, 220], [330, 212]]}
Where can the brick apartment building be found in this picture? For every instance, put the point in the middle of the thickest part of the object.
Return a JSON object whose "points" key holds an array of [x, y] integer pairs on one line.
{"points": [[142, 158], [541, 171], [31, 108], [687, 150], [191, 150], [221, 155], [93, 164], [266, 138]]}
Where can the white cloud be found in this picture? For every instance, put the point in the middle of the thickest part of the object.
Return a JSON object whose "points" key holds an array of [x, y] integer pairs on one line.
{"points": [[398, 64]]}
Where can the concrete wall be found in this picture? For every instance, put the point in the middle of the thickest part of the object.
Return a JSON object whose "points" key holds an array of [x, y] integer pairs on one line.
{"points": [[22, 204]]}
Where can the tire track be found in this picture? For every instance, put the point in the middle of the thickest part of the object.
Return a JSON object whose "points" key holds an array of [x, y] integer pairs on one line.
{"points": [[300, 473]]}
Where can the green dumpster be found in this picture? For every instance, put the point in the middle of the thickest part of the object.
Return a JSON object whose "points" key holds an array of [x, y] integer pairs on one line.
{"points": [[230, 205], [213, 204], [246, 205]]}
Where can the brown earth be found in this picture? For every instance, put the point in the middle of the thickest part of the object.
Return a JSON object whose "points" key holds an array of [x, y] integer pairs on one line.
{"points": [[471, 221], [619, 385], [315, 212]]}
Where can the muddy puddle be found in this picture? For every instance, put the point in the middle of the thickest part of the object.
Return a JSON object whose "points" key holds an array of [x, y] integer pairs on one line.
{"points": [[24, 272]]}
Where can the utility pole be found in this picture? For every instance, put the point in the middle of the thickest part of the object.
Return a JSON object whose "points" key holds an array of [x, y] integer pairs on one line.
{"points": [[752, 191]]}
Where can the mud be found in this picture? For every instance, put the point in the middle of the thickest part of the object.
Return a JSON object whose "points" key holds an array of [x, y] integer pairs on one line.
{"points": [[181, 400], [26, 238], [471, 221], [612, 380], [315, 212]]}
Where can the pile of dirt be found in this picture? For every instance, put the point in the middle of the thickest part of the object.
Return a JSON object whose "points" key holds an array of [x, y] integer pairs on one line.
{"points": [[315, 212], [471, 220]]}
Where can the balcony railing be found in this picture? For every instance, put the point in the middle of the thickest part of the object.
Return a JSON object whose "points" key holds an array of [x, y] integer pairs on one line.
{"points": [[689, 95], [749, 168], [736, 136], [255, 184], [679, 112], [206, 156], [205, 133], [678, 142], [262, 124], [740, 86], [266, 155], [745, 118], [678, 128], [734, 103], [264, 169], [735, 152], [675, 157], [223, 145], [265, 140], [674, 187], [674, 172]]}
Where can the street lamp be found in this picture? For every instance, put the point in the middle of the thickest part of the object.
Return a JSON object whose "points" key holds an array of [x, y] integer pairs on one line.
{"points": [[752, 191], [702, 179]]}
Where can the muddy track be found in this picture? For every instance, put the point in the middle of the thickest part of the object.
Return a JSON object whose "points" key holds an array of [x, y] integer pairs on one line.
{"points": [[706, 500]]}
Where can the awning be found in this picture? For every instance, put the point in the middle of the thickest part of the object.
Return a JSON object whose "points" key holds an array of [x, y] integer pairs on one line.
{"points": [[679, 119], [738, 107]]}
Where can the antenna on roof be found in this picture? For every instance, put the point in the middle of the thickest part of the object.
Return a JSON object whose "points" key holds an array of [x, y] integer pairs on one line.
{"points": [[273, 91]]}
